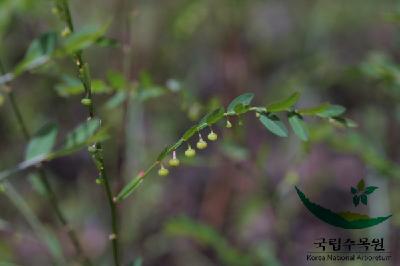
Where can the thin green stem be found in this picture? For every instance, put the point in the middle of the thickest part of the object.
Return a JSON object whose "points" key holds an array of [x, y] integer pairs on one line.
{"points": [[84, 75], [46, 184]]}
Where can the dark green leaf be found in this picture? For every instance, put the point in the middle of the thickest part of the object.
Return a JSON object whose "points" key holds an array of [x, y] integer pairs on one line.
{"points": [[274, 124], [284, 105], [42, 142], [369, 190], [130, 187], [38, 53], [244, 99], [356, 200], [189, 133], [332, 111], [298, 126], [353, 190], [361, 185], [169, 149], [315, 110], [364, 199], [212, 117]]}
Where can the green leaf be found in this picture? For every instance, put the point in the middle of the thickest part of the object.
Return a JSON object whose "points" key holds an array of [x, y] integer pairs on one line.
{"points": [[83, 38], [169, 149], [244, 99], [42, 142], [332, 111], [80, 137], [353, 190], [315, 110], [298, 126], [361, 185], [212, 117], [240, 109], [343, 122], [38, 53], [189, 133], [73, 86], [356, 200], [130, 187], [284, 105], [364, 199], [370, 190], [274, 124]]}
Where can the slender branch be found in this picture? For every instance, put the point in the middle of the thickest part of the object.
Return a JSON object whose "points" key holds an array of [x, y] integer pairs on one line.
{"points": [[96, 150], [45, 181]]}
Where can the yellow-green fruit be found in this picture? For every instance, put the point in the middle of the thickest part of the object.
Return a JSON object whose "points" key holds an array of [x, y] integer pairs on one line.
{"points": [[212, 136], [228, 124], [190, 152], [201, 144], [173, 162], [163, 171], [86, 101]]}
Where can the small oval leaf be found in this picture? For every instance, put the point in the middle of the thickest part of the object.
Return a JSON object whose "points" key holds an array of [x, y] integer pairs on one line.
{"points": [[285, 104], [244, 99], [298, 126], [274, 124]]}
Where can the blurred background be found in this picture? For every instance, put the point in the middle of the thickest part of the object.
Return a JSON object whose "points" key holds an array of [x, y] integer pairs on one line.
{"points": [[169, 63]]}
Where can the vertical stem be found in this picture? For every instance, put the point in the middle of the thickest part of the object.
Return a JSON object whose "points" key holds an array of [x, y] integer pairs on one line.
{"points": [[97, 154], [45, 182]]}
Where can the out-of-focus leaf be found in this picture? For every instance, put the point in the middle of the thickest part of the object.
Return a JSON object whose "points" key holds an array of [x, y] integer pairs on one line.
{"points": [[244, 99], [285, 104], [79, 40], [274, 124], [37, 184], [343, 122], [116, 100], [1, 99], [332, 111], [185, 227], [298, 126], [73, 86], [42, 142], [149, 92], [314, 110], [104, 41], [38, 53], [116, 80], [79, 137]]}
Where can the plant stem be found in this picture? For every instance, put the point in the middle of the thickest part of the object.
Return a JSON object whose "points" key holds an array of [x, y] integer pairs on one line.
{"points": [[98, 155], [45, 181]]}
